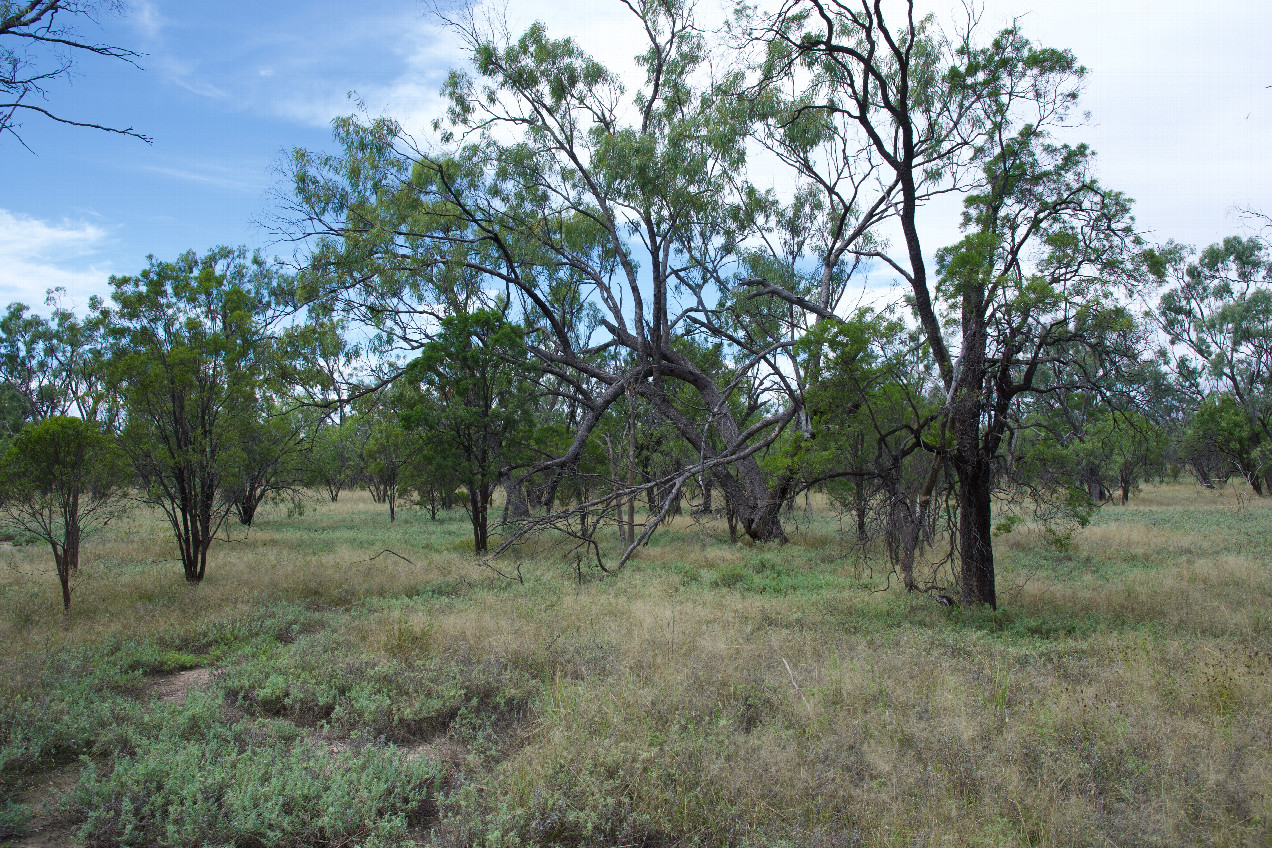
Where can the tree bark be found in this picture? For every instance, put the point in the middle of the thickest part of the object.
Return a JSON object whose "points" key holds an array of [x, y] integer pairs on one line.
{"points": [[975, 520], [515, 505], [63, 576]]}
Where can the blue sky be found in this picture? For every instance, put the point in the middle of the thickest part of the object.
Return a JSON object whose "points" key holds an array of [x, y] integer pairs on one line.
{"points": [[1180, 96]]}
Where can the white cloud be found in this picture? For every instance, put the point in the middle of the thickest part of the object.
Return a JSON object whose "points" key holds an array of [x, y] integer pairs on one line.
{"points": [[37, 255]]}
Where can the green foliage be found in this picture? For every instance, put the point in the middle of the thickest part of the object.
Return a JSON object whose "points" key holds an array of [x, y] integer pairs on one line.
{"points": [[334, 458], [326, 681], [52, 366], [1217, 313], [198, 782], [76, 701], [13, 819], [469, 399], [55, 461]]}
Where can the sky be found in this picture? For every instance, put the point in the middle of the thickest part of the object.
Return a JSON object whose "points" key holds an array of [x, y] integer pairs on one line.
{"points": [[1179, 96]]}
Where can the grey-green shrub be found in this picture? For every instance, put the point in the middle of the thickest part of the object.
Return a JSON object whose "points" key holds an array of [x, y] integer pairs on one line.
{"points": [[200, 782]]}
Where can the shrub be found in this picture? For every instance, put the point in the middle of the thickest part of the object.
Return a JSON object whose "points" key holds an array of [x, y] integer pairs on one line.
{"points": [[197, 782]]}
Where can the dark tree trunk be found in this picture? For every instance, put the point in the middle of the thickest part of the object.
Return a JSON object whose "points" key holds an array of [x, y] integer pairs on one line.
{"points": [[764, 523], [63, 576], [478, 504], [730, 518], [246, 507], [71, 534], [911, 532], [975, 538], [859, 497], [194, 528]]}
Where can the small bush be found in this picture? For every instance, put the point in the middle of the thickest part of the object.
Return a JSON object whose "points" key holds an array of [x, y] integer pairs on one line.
{"points": [[13, 819]]}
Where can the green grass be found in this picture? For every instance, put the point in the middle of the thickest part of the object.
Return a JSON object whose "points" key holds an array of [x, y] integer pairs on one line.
{"points": [[709, 694]]}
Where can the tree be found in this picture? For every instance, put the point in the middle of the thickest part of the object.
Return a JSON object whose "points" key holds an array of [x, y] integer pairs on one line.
{"points": [[268, 458], [1033, 281], [1217, 313], [386, 451], [53, 366], [1120, 447], [868, 394], [39, 44], [472, 405], [606, 228], [333, 461], [62, 476], [1221, 429], [187, 353]]}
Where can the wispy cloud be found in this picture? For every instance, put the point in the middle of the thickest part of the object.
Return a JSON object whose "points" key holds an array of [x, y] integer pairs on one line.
{"points": [[38, 255], [146, 18], [229, 179], [311, 80]]}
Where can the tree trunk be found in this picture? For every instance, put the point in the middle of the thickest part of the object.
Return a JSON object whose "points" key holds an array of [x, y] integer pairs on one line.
{"points": [[631, 466], [730, 518], [911, 533], [477, 503], [63, 576], [71, 534], [515, 506], [763, 523], [859, 504], [975, 538], [246, 508]]}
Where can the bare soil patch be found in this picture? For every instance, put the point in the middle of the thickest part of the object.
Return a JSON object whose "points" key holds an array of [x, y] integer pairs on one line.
{"points": [[48, 828], [175, 688]]}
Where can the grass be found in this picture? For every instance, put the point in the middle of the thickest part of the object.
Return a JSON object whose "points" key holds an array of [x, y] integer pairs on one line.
{"points": [[711, 694]]}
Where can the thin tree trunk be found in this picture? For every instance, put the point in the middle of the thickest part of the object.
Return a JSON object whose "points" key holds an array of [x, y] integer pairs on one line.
{"points": [[63, 576], [631, 465]]}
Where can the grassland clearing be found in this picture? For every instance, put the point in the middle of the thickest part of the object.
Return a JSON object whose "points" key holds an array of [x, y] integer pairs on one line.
{"points": [[709, 694]]}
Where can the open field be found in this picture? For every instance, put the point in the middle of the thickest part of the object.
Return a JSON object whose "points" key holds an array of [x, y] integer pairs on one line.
{"points": [[710, 694]]}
